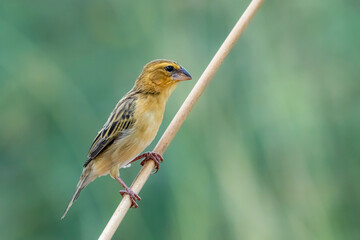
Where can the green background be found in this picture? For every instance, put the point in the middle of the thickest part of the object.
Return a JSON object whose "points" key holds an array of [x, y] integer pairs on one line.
{"points": [[270, 151]]}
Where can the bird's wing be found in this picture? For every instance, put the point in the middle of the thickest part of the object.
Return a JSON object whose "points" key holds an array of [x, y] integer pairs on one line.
{"points": [[120, 121]]}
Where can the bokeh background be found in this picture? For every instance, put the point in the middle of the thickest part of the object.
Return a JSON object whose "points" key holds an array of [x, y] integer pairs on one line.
{"points": [[271, 150]]}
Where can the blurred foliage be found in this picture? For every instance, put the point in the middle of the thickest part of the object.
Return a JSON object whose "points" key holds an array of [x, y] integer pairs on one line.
{"points": [[271, 151]]}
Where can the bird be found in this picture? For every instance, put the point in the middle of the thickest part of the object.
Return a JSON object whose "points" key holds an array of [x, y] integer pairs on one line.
{"points": [[131, 127]]}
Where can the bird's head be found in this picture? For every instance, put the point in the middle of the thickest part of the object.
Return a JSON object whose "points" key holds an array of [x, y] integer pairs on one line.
{"points": [[161, 75]]}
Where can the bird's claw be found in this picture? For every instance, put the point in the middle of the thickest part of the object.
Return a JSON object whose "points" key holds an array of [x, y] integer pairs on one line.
{"points": [[157, 158], [133, 196]]}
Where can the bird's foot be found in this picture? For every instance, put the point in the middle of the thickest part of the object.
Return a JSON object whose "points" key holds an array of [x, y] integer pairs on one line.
{"points": [[157, 158], [133, 196]]}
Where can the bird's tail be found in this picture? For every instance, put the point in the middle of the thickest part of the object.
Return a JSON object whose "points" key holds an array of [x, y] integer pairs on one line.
{"points": [[85, 179]]}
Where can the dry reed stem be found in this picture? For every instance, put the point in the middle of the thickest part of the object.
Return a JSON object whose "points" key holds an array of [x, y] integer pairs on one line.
{"points": [[180, 116]]}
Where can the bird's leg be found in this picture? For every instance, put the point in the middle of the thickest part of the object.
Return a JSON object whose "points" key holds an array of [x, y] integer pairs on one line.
{"points": [[133, 196], [157, 158]]}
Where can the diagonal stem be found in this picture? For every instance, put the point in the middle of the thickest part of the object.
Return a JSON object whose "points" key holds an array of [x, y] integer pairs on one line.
{"points": [[180, 116]]}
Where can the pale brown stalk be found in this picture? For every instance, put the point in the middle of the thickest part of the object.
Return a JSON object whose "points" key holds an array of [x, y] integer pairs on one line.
{"points": [[180, 116]]}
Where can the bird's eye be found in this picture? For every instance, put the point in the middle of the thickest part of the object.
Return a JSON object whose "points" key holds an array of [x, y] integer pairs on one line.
{"points": [[169, 68]]}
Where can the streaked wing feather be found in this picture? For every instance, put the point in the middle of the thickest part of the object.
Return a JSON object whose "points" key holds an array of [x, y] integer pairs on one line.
{"points": [[119, 122]]}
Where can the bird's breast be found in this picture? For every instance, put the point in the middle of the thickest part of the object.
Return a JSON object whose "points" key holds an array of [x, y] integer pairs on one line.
{"points": [[147, 126], [139, 137]]}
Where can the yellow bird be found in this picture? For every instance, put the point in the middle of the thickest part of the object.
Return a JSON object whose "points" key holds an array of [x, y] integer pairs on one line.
{"points": [[132, 126]]}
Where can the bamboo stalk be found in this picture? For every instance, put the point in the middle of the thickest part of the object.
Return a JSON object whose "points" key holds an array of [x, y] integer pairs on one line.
{"points": [[180, 116]]}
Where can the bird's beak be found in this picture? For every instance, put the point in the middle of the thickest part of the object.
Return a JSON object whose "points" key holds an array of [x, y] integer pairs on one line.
{"points": [[181, 75]]}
